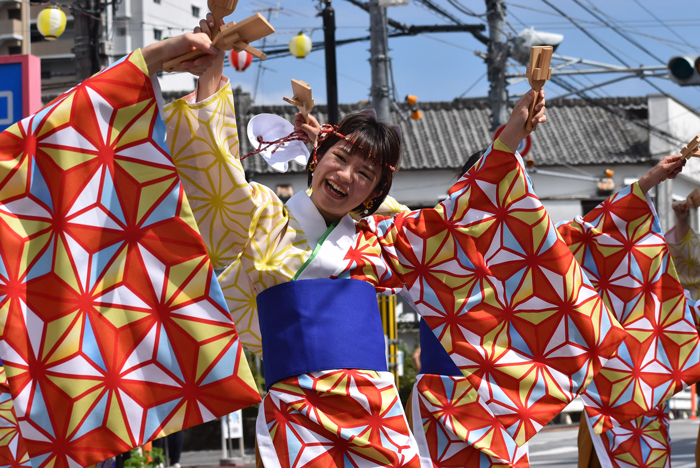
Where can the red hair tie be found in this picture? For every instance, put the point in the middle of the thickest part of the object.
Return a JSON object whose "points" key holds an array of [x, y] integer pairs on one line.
{"points": [[328, 130]]}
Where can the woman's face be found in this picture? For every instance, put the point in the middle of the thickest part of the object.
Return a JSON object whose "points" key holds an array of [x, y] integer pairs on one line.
{"points": [[342, 181]]}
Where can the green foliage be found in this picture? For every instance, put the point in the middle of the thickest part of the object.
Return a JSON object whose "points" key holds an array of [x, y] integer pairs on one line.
{"points": [[257, 376], [410, 372], [141, 460]]}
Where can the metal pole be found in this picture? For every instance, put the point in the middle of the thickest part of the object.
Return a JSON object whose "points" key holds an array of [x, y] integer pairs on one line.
{"points": [[224, 443], [241, 445], [693, 403], [26, 28], [331, 68], [379, 61], [496, 63], [83, 47]]}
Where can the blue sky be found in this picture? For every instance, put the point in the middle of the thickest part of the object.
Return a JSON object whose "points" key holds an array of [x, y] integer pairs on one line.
{"points": [[443, 66]]}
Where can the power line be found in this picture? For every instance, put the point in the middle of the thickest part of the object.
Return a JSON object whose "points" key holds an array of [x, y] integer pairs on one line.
{"points": [[624, 36], [463, 9], [472, 85], [663, 24], [582, 29]]}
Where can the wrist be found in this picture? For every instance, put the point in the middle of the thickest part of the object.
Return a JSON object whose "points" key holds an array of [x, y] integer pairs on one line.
{"points": [[153, 56], [645, 183], [511, 138]]}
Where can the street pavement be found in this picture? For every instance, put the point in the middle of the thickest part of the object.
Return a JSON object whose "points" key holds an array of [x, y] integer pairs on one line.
{"points": [[557, 447], [552, 447]]}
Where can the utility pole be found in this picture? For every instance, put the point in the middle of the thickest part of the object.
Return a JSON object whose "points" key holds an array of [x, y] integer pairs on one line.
{"points": [[26, 28], [88, 39], [83, 41], [379, 61], [331, 67], [496, 63]]}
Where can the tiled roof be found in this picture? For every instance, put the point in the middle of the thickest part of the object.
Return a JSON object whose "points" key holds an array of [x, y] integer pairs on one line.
{"points": [[601, 131]]}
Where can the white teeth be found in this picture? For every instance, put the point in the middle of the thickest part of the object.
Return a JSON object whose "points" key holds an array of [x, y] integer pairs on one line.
{"points": [[336, 187]]}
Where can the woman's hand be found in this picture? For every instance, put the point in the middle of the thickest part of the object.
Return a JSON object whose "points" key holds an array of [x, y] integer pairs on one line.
{"points": [[681, 209], [160, 52], [668, 168], [210, 74], [312, 129], [515, 131]]}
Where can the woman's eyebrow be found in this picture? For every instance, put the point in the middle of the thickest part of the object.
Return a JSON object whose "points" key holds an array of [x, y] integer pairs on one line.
{"points": [[369, 168]]}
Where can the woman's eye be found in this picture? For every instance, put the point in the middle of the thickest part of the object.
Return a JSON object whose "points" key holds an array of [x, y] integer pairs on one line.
{"points": [[365, 176], [339, 157]]}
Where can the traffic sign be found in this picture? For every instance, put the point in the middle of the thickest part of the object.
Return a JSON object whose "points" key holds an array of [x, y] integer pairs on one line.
{"points": [[20, 88], [523, 147]]}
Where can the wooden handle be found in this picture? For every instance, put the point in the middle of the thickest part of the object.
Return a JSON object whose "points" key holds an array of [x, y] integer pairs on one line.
{"points": [[173, 64], [529, 126]]}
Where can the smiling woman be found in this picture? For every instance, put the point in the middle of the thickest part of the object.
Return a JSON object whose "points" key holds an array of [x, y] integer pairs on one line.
{"points": [[353, 165]]}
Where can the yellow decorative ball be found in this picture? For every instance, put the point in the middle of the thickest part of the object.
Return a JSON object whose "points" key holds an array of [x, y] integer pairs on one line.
{"points": [[51, 23], [300, 45]]}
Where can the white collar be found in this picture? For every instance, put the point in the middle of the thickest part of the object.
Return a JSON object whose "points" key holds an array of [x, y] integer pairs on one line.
{"points": [[309, 218]]}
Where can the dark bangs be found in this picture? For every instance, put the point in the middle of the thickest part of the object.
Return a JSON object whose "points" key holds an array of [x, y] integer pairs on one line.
{"points": [[377, 142]]}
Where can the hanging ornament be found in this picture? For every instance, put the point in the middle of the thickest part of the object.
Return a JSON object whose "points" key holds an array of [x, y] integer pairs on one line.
{"points": [[51, 23], [300, 45], [240, 60]]}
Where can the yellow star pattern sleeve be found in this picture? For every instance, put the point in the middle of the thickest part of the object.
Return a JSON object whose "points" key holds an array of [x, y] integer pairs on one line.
{"points": [[203, 141], [245, 226], [686, 257]]}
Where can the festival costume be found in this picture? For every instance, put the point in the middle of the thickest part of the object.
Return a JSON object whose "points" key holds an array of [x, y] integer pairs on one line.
{"points": [[686, 257], [13, 452], [440, 405], [524, 355], [114, 330], [623, 251]]}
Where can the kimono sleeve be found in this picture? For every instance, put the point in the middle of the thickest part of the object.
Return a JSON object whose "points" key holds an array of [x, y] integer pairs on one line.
{"points": [[498, 287], [203, 141], [622, 249], [686, 257]]}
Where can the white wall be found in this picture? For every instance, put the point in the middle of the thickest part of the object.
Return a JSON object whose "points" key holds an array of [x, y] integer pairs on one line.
{"points": [[141, 17]]}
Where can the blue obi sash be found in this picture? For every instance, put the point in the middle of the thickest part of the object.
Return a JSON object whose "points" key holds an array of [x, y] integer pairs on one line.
{"points": [[433, 357], [320, 324]]}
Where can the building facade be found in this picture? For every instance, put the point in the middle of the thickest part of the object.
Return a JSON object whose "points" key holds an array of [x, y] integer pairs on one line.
{"points": [[118, 27]]}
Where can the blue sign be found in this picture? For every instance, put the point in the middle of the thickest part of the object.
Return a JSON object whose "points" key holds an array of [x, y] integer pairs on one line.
{"points": [[11, 97]]}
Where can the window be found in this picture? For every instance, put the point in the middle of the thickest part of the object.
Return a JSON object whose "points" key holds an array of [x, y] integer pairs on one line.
{"points": [[121, 31], [156, 1], [14, 14], [195, 11], [157, 34], [14, 50]]}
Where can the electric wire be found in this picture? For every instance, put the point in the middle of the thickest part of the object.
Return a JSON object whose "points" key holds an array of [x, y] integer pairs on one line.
{"points": [[664, 24], [620, 33], [478, 80]]}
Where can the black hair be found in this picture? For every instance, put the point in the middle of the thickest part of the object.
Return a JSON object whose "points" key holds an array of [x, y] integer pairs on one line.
{"points": [[374, 141], [473, 159]]}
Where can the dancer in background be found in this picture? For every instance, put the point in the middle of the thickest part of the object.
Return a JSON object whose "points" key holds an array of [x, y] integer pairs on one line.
{"points": [[622, 249], [684, 243], [438, 405]]}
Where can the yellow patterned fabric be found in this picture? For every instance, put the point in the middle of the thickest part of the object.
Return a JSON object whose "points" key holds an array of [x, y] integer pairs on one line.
{"points": [[686, 257], [244, 226]]}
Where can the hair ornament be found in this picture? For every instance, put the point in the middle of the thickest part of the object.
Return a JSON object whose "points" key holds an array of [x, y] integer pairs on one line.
{"points": [[328, 130], [368, 205]]}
